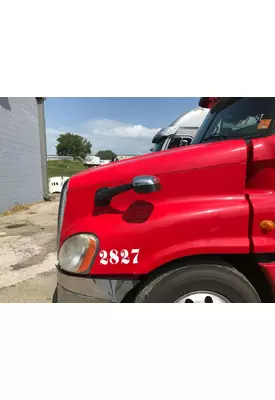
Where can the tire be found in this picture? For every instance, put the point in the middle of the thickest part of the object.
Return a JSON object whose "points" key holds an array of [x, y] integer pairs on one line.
{"points": [[54, 298], [199, 280]]}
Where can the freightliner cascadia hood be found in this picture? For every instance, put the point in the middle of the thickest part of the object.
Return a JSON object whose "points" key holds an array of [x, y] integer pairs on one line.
{"points": [[200, 209], [159, 163]]}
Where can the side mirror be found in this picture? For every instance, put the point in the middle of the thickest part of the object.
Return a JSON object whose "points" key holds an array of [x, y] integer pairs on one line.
{"points": [[208, 102], [183, 142], [144, 184]]}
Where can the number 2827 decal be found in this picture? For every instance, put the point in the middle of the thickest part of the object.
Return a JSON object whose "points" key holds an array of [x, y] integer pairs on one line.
{"points": [[119, 257]]}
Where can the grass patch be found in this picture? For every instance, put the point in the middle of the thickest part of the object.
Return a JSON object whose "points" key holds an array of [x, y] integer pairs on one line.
{"points": [[15, 209], [64, 168]]}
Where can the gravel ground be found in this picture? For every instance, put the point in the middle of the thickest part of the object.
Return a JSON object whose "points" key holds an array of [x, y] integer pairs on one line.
{"points": [[28, 254], [36, 290]]}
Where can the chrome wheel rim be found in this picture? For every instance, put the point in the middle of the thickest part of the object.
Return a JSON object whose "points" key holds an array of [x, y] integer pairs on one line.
{"points": [[202, 297]]}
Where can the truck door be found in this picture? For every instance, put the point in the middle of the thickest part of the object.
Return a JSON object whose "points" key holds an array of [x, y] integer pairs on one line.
{"points": [[261, 192], [251, 119]]}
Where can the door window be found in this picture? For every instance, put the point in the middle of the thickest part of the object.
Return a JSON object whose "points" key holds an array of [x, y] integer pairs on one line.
{"points": [[241, 118]]}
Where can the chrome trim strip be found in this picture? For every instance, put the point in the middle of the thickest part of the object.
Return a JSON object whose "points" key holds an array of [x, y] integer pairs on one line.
{"points": [[61, 210]]}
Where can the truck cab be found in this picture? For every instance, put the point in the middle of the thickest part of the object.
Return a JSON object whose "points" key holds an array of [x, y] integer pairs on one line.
{"points": [[181, 132], [195, 224]]}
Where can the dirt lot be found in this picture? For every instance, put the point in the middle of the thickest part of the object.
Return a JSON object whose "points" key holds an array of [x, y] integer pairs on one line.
{"points": [[28, 254]]}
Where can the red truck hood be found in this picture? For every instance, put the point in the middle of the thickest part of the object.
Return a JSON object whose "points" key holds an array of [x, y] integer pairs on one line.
{"points": [[202, 186], [163, 162]]}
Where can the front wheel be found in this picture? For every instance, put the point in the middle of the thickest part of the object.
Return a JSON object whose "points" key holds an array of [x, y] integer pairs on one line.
{"points": [[199, 282]]}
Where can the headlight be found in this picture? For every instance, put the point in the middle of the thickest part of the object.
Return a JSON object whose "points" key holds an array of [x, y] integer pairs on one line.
{"points": [[78, 252]]}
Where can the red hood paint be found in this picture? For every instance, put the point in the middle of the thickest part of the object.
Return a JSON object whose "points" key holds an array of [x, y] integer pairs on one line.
{"points": [[200, 209], [163, 162]]}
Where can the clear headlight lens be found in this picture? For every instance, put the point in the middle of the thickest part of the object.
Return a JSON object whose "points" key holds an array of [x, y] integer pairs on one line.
{"points": [[77, 253]]}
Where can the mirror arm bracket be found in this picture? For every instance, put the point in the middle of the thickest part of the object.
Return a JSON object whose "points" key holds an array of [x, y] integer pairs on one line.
{"points": [[104, 195], [143, 184]]}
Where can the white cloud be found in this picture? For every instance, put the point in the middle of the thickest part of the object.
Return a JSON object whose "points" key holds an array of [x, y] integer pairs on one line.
{"points": [[108, 134]]}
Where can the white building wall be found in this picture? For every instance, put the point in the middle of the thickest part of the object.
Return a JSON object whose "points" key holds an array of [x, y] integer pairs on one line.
{"points": [[20, 156]]}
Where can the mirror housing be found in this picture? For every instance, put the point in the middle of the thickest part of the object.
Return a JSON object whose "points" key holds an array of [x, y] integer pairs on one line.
{"points": [[145, 184], [183, 142], [208, 102]]}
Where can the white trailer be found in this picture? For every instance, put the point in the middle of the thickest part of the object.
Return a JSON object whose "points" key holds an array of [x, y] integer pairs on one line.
{"points": [[92, 161], [104, 162], [56, 183]]}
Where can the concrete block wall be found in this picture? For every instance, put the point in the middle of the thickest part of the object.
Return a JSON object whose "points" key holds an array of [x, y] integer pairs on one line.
{"points": [[20, 156]]}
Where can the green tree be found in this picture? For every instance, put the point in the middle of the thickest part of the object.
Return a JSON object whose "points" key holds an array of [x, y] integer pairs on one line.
{"points": [[73, 145], [106, 154]]}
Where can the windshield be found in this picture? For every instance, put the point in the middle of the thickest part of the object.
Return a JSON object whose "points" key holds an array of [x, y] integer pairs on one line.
{"points": [[158, 146], [234, 118]]}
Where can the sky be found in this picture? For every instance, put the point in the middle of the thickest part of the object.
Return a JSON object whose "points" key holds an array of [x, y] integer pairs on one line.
{"points": [[123, 125]]}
